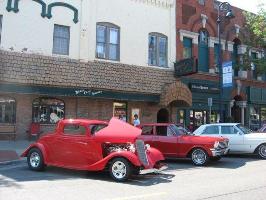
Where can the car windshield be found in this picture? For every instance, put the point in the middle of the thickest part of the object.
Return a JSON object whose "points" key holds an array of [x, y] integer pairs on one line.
{"points": [[179, 130], [244, 129]]}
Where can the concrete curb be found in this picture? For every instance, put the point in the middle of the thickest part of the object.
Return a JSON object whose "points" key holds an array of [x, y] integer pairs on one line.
{"points": [[12, 162]]}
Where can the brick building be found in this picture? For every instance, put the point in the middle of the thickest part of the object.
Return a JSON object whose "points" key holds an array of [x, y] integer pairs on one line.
{"points": [[197, 39], [87, 59]]}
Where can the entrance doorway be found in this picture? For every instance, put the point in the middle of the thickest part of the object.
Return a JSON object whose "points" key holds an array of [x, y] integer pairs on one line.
{"points": [[236, 110], [163, 116]]}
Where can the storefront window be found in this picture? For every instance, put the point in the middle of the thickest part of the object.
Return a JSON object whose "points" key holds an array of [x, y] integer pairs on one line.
{"points": [[181, 119], [7, 110], [197, 118], [254, 118], [263, 115], [120, 111], [214, 117], [48, 110]]}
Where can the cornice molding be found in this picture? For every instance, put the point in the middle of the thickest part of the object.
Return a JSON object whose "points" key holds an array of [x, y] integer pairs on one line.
{"points": [[158, 3]]}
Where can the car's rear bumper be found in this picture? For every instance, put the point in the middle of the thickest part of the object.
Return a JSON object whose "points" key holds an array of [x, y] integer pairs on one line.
{"points": [[219, 152]]}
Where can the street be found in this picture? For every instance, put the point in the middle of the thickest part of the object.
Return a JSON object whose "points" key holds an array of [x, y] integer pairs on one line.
{"points": [[234, 177]]}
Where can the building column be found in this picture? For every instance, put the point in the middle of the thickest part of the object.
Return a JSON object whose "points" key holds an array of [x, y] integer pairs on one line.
{"points": [[242, 105], [231, 105]]}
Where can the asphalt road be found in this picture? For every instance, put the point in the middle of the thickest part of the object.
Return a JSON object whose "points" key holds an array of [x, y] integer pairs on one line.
{"points": [[231, 178]]}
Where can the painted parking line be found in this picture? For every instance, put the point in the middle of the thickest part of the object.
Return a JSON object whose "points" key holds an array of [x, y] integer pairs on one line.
{"points": [[142, 196]]}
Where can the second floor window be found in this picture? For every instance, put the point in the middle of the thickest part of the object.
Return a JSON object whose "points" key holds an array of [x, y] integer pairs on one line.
{"points": [[61, 40], [187, 50], [157, 50], [108, 46], [1, 19]]}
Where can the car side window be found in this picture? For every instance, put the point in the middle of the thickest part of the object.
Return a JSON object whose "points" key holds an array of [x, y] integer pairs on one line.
{"points": [[74, 129], [96, 127], [161, 130], [147, 130], [211, 130], [228, 130]]}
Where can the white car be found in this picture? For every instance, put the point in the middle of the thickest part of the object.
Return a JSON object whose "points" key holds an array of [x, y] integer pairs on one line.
{"points": [[241, 139]]}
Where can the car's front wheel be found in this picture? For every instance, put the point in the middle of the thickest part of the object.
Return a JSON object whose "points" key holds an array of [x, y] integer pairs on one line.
{"points": [[262, 151], [35, 160], [199, 157], [120, 169]]}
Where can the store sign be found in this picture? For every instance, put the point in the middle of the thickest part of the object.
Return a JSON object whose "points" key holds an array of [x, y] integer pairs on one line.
{"points": [[185, 67], [83, 92], [227, 74], [198, 87]]}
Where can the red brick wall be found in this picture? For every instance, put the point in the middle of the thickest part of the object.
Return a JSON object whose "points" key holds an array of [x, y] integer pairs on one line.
{"points": [[188, 17]]}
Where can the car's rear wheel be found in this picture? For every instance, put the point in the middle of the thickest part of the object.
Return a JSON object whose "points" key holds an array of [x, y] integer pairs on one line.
{"points": [[216, 158], [35, 159], [199, 157], [262, 151], [120, 169]]}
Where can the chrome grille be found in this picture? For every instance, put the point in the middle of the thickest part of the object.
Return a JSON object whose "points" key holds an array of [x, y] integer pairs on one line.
{"points": [[140, 146], [223, 145]]}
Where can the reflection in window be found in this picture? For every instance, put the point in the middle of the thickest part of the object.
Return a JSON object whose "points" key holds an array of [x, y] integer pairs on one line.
{"points": [[228, 130], [48, 110], [7, 110], [187, 50], [211, 130], [120, 111], [74, 129], [203, 37], [158, 50], [254, 118], [107, 41]]}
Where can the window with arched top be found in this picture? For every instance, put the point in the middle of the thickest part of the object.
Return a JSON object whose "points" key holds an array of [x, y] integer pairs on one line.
{"points": [[48, 110], [7, 110], [203, 54], [108, 41], [158, 49]]}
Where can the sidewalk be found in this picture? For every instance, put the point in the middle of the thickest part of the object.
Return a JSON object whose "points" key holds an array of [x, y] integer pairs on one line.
{"points": [[11, 150]]}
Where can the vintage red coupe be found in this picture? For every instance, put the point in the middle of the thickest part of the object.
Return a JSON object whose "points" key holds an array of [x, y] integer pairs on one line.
{"points": [[94, 146], [176, 142]]}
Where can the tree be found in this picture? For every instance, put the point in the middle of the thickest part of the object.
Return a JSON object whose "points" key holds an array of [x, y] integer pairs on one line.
{"points": [[255, 29]]}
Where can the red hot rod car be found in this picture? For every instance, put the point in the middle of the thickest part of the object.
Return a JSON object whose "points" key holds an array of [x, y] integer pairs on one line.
{"points": [[94, 146]]}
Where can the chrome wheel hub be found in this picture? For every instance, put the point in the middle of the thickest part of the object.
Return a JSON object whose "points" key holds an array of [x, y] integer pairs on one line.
{"points": [[199, 157], [262, 151], [119, 170], [35, 159]]}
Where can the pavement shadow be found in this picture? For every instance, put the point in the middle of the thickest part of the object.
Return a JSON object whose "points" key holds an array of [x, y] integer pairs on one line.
{"points": [[13, 177], [229, 161]]}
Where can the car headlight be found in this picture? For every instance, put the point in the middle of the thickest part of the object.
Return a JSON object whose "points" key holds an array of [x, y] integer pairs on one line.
{"points": [[216, 144]]}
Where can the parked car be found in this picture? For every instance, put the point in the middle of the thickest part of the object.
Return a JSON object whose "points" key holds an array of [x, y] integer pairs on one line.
{"points": [[176, 142], [94, 146], [241, 139]]}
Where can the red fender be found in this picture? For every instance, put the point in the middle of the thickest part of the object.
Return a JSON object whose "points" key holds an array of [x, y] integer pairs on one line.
{"points": [[154, 156], [100, 165], [36, 145]]}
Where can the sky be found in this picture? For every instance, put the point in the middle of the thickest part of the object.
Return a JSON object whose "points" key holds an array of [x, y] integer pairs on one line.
{"points": [[249, 5]]}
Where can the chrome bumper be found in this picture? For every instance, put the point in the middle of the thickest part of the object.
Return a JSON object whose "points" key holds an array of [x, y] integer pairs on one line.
{"points": [[219, 152], [153, 170]]}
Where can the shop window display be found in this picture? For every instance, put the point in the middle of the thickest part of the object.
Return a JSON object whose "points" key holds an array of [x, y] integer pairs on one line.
{"points": [[263, 115], [254, 118], [48, 110], [7, 110], [120, 111]]}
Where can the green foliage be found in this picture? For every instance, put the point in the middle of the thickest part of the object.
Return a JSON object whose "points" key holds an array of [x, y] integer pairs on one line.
{"points": [[256, 28], [260, 65]]}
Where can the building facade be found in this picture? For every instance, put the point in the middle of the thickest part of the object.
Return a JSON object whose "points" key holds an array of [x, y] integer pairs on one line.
{"points": [[197, 39], [87, 59]]}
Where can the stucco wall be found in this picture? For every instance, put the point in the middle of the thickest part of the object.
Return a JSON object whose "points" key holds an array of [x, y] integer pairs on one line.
{"points": [[136, 19]]}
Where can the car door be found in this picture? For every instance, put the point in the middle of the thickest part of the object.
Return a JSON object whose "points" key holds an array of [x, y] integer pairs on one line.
{"points": [[73, 147], [236, 139], [165, 140]]}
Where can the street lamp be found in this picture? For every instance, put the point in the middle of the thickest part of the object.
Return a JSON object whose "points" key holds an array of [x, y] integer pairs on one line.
{"points": [[224, 7]]}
